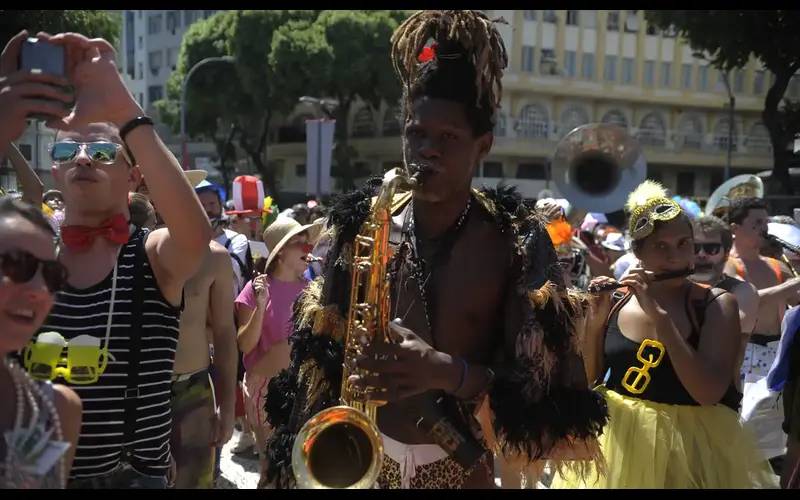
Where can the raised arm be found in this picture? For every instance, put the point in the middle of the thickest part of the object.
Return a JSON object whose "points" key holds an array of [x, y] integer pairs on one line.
{"points": [[32, 187]]}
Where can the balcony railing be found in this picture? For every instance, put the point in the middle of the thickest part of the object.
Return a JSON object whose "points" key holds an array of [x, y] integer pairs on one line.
{"points": [[667, 140]]}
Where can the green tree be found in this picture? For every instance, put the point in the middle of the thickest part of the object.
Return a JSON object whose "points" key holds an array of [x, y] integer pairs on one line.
{"points": [[342, 55], [92, 23], [232, 100], [730, 38]]}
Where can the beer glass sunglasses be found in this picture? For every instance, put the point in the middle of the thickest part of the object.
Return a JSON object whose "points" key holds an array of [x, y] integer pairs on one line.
{"points": [[103, 152]]}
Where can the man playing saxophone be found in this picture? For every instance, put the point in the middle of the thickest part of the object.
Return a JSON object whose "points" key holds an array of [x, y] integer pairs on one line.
{"points": [[484, 354]]}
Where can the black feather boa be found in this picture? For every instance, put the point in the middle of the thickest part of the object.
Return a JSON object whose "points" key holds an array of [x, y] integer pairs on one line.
{"points": [[529, 420]]}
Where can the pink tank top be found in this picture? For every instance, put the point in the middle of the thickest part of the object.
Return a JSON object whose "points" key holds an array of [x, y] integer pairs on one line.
{"points": [[277, 325]]}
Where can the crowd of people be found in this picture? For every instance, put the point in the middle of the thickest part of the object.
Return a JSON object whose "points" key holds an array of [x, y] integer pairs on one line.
{"points": [[144, 313]]}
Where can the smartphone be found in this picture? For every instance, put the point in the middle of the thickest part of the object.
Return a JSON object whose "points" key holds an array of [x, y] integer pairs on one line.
{"points": [[41, 55]]}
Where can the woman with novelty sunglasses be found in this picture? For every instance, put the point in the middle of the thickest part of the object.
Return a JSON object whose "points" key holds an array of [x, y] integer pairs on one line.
{"points": [[37, 415], [664, 352], [264, 309]]}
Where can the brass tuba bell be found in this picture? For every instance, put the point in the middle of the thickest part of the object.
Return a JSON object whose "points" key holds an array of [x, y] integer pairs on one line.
{"points": [[596, 165]]}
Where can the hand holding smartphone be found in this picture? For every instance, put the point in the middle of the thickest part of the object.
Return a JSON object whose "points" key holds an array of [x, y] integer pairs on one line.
{"points": [[42, 56]]}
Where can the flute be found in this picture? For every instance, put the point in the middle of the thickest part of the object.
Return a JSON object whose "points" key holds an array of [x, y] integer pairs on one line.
{"points": [[682, 273]]}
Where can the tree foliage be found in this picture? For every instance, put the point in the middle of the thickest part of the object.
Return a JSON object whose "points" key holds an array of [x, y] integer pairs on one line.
{"points": [[730, 39], [92, 23], [342, 55]]}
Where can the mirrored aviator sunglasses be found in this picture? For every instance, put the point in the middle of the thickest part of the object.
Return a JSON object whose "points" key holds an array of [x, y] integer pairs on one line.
{"points": [[103, 152], [20, 267]]}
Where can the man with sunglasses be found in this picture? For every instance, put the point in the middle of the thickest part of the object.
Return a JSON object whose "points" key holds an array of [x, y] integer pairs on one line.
{"points": [[125, 284], [712, 247]]}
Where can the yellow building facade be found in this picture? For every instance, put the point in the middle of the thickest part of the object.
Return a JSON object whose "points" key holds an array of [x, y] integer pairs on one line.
{"points": [[571, 67]]}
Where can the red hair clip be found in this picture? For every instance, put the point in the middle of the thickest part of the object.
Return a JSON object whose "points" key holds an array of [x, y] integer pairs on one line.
{"points": [[428, 53]]}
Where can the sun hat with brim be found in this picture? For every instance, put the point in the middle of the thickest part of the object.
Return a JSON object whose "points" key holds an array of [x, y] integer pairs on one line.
{"points": [[615, 241], [195, 177], [277, 234]]}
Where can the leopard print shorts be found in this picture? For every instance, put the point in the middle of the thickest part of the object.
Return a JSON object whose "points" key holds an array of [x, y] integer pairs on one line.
{"points": [[442, 474]]}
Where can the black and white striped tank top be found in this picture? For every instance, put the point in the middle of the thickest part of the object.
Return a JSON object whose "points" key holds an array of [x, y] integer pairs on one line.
{"points": [[78, 312]]}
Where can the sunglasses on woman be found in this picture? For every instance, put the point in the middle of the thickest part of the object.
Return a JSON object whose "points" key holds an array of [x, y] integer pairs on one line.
{"points": [[20, 267], [708, 248], [104, 152]]}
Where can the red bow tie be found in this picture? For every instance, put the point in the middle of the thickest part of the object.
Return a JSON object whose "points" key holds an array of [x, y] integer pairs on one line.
{"points": [[80, 238]]}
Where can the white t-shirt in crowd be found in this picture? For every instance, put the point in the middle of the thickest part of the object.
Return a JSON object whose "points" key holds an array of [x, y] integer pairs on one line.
{"points": [[238, 246]]}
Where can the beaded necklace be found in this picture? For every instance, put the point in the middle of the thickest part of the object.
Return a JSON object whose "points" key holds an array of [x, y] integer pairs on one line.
{"points": [[29, 438], [419, 266]]}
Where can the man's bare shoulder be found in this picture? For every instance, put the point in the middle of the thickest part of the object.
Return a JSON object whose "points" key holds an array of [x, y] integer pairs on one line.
{"points": [[218, 257]]}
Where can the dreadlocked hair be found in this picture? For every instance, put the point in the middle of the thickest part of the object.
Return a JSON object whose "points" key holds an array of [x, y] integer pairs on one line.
{"points": [[468, 49]]}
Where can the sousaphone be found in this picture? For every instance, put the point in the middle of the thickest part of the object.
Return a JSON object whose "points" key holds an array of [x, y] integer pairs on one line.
{"points": [[741, 186], [597, 165]]}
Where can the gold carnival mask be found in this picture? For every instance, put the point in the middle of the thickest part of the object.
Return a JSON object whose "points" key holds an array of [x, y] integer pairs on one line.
{"points": [[644, 216]]}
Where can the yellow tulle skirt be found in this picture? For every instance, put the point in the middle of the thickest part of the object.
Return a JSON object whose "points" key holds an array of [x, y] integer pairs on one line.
{"points": [[655, 445]]}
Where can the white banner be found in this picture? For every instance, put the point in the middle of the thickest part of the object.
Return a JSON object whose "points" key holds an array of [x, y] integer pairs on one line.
{"points": [[318, 155]]}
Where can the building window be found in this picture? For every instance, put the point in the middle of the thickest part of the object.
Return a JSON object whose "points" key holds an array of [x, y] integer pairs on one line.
{"points": [[549, 16], [173, 20], [141, 42], [535, 171], [527, 59], [155, 61], [627, 70], [154, 22], [702, 78], [686, 76], [649, 73], [500, 126], [391, 122], [758, 139], [610, 69], [587, 66], [530, 15], [571, 118], [26, 151], [652, 131], [666, 74], [492, 169], [533, 122], [612, 21], [172, 57], [155, 93], [615, 117], [721, 135], [140, 14], [188, 17], [547, 62], [685, 184], [300, 170], [589, 18], [690, 132], [363, 123], [573, 17], [738, 81], [570, 63], [758, 82], [632, 21], [141, 71]]}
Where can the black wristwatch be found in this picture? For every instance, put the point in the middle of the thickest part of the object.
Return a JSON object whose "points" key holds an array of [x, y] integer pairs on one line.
{"points": [[136, 122]]}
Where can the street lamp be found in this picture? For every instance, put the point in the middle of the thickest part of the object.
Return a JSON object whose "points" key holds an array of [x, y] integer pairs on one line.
{"points": [[731, 108], [327, 106], [184, 84]]}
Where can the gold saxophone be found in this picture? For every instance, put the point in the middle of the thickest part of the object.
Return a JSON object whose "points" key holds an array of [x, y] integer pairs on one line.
{"points": [[341, 447]]}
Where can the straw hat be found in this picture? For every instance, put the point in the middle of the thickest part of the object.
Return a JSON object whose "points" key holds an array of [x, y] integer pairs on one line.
{"points": [[277, 234], [195, 177]]}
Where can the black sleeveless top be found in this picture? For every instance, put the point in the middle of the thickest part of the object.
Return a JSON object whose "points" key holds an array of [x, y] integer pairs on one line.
{"points": [[664, 386]]}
